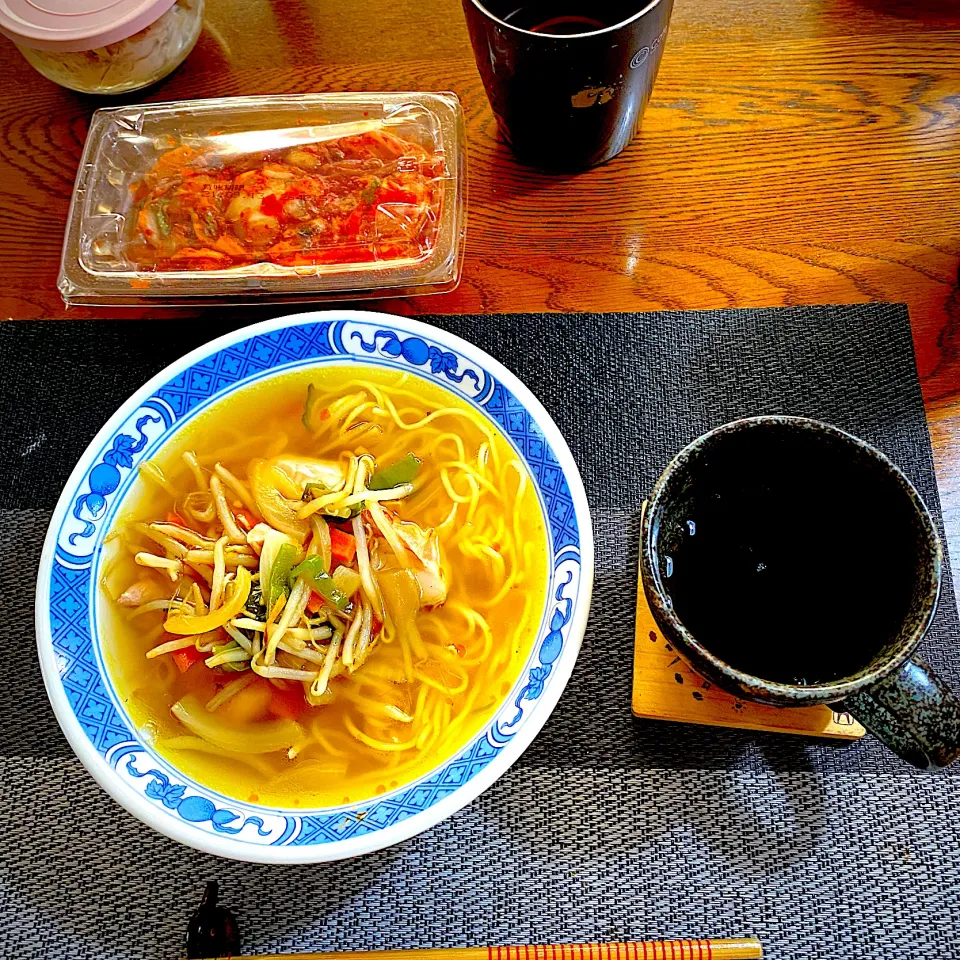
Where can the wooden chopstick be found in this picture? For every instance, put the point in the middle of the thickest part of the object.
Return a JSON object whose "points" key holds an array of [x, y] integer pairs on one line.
{"points": [[744, 948]]}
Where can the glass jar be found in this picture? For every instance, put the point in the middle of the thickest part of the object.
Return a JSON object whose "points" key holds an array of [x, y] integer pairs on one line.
{"points": [[123, 64]]}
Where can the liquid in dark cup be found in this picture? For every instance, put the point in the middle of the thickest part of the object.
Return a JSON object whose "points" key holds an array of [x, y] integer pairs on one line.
{"points": [[792, 561], [557, 19], [568, 81]]}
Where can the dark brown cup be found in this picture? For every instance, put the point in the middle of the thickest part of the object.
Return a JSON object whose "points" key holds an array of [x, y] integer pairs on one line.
{"points": [[567, 102], [893, 693]]}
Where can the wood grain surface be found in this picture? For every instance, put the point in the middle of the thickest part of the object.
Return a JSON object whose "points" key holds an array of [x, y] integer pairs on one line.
{"points": [[795, 151]]}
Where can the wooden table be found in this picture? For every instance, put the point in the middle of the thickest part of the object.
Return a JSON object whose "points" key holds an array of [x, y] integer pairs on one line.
{"points": [[795, 151]]}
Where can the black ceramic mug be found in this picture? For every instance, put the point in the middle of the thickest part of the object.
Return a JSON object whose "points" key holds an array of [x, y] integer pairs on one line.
{"points": [[568, 80], [792, 564]]}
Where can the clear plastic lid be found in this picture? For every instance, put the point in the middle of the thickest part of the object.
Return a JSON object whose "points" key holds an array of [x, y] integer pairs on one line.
{"points": [[287, 197]]}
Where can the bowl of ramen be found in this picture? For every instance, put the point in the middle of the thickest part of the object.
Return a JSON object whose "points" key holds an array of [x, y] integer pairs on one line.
{"points": [[314, 587]]}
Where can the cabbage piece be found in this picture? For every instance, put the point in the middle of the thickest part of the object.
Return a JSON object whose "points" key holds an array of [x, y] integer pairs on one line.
{"points": [[280, 512], [304, 470], [421, 557], [278, 486]]}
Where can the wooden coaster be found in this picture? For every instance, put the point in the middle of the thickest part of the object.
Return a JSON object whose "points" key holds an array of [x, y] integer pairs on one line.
{"points": [[666, 688]]}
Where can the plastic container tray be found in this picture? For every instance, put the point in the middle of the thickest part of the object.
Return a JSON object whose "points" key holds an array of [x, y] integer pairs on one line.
{"points": [[288, 198]]}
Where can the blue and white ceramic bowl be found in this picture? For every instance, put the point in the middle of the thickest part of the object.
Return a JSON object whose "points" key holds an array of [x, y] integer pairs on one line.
{"points": [[83, 695]]}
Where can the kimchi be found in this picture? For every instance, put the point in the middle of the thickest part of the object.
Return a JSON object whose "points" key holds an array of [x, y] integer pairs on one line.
{"points": [[363, 198]]}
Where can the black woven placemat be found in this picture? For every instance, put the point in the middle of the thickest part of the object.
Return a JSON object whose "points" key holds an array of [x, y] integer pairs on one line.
{"points": [[608, 827]]}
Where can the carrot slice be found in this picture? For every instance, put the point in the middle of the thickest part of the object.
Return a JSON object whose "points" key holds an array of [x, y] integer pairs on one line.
{"points": [[287, 703], [185, 659], [245, 518], [343, 548]]}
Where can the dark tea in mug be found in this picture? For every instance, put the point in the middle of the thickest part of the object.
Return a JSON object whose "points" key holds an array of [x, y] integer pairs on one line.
{"points": [[568, 80], [792, 561], [557, 19]]}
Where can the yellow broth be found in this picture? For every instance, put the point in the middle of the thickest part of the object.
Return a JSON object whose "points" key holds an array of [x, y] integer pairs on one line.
{"points": [[495, 553]]}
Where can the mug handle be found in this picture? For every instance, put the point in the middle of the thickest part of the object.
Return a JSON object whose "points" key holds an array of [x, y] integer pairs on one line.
{"points": [[914, 713]]}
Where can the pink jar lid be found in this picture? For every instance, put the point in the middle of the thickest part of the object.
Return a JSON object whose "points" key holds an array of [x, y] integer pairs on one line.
{"points": [[71, 25]]}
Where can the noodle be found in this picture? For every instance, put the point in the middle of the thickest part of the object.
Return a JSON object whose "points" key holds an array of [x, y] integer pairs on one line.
{"points": [[237, 486], [199, 477]]}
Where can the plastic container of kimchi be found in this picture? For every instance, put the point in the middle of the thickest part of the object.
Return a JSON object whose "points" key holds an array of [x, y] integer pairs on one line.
{"points": [[287, 198]]}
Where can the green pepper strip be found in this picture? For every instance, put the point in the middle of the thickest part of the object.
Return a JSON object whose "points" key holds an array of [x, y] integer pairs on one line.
{"points": [[313, 490], [403, 471], [160, 211], [310, 408], [311, 571], [280, 573]]}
